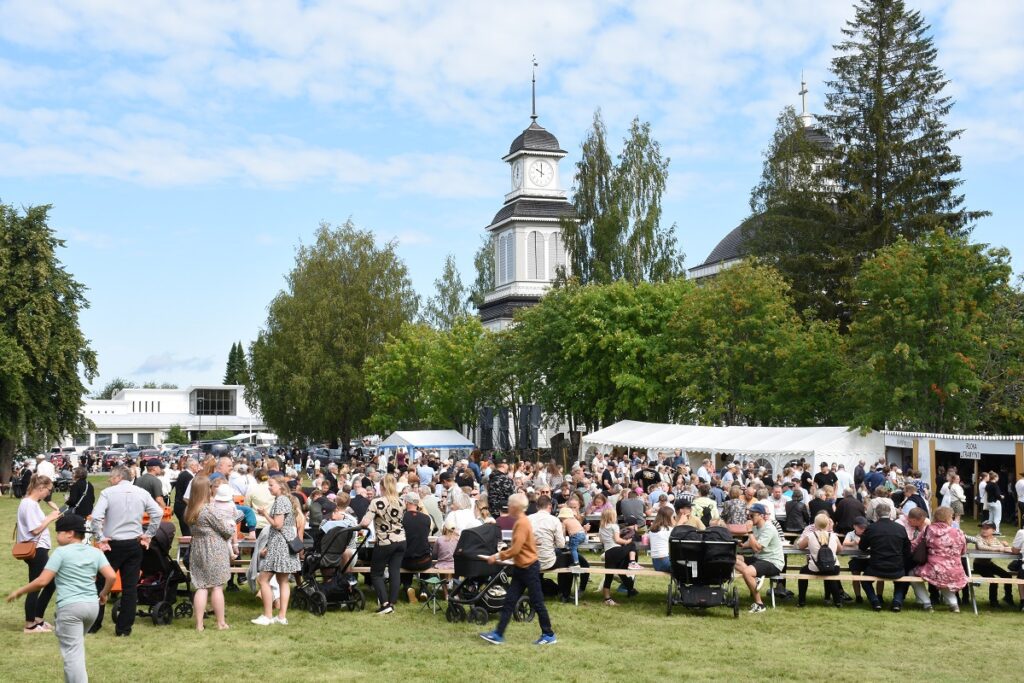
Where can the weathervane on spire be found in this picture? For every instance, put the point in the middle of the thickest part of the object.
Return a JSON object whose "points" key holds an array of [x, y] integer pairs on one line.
{"points": [[533, 97]]}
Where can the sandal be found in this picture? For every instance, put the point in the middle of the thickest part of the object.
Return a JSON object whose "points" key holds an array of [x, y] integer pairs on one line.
{"points": [[610, 603]]}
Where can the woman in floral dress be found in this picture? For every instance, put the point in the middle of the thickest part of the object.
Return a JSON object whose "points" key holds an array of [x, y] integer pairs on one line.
{"points": [[209, 554], [943, 569], [285, 520]]}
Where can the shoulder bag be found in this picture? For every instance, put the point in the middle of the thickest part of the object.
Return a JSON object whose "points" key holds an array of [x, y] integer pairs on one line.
{"points": [[24, 550], [920, 554]]}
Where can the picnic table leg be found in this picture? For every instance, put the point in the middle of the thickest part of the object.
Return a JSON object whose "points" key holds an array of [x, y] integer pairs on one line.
{"points": [[970, 587]]}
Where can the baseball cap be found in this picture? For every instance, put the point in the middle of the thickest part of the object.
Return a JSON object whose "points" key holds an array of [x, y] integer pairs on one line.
{"points": [[154, 462], [860, 521], [327, 507], [987, 523], [412, 498], [71, 522], [223, 494], [630, 520], [758, 508]]}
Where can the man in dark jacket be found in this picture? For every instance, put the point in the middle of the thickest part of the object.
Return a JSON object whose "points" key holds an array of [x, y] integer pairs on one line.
{"points": [[848, 508], [180, 486], [499, 487], [890, 555]]}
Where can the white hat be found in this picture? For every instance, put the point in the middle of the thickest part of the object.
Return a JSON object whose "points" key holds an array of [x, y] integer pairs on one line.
{"points": [[224, 494]]}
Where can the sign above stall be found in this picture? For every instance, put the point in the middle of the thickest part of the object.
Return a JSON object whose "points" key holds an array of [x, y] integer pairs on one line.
{"points": [[970, 451]]}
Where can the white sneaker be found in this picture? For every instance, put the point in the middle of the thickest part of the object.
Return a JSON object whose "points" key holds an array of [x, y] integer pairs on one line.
{"points": [[262, 621], [279, 620]]}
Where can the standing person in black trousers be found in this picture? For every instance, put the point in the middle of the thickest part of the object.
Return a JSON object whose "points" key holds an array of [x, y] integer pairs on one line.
{"points": [[385, 514], [180, 487], [117, 523]]}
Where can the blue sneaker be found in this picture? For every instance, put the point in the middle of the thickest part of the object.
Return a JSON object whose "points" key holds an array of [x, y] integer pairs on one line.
{"points": [[546, 640], [493, 637]]}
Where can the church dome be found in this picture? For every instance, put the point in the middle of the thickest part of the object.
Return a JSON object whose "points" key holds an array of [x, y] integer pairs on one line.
{"points": [[535, 139]]}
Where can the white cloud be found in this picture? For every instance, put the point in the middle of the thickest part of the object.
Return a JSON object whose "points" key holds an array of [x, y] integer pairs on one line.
{"points": [[168, 362]]}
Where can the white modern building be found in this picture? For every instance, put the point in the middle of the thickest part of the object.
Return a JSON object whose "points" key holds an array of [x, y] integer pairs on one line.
{"points": [[143, 416], [527, 234]]}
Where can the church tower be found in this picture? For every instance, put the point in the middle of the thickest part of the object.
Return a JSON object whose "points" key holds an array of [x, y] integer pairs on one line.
{"points": [[527, 237]]}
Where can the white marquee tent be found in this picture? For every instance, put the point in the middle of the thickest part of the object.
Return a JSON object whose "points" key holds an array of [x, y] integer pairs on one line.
{"points": [[443, 440], [776, 445]]}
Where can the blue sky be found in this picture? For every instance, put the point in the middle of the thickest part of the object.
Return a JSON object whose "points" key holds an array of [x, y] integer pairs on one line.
{"points": [[188, 146]]}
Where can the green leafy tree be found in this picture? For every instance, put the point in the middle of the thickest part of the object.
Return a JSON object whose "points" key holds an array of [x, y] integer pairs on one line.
{"points": [[886, 110], [448, 303], [920, 335], [159, 385], [483, 264], [794, 226], [343, 298], [739, 354], [236, 370], [113, 386], [177, 435], [999, 404], [43, 353], [617, 232]]}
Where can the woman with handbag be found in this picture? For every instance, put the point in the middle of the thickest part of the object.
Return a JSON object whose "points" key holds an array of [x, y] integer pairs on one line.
{"points": [[281, 556], [937, 552], [33, 547], [82, 495]]}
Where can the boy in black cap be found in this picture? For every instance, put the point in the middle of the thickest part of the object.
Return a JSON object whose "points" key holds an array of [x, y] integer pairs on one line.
{"points": [[75, 566], [986, 540]]}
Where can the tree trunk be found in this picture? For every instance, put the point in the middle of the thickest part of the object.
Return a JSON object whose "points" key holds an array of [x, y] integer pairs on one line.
{"points": [[6, 459]]}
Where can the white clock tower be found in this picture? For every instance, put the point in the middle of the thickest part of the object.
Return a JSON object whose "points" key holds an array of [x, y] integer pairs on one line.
{"points": [[528, 248]]}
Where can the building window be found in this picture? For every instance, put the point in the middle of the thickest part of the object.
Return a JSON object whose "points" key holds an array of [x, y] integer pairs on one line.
{"points": [[125, 438], [510, 257], [145, 439], [102, 439], [213, 402], [158, 406], [534, 256], [500, 270], [556, 255], [81, 440]]}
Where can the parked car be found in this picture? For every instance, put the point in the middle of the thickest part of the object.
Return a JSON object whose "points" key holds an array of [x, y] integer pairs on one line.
{"points": [[113, 458]]}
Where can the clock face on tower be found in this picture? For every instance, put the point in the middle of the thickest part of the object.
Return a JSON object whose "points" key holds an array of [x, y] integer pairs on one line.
{"points": [[541, 173], [517, 175]]}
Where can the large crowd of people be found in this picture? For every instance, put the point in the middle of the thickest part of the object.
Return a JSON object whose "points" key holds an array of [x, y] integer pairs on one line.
{"points": [[416, 504]]}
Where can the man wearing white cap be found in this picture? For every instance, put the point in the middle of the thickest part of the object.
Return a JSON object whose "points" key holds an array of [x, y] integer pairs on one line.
{"points": [[45, 468]]}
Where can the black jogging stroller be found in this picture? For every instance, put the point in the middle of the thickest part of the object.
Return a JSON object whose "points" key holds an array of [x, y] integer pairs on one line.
{"points": [[703, 569], [325, 580], [479, 589]]}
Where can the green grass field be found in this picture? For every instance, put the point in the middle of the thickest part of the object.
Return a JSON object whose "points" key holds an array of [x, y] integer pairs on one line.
{"points": [[635, 641]]}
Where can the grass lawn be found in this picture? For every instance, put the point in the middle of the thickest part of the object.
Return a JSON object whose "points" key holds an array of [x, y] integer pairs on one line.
{"points": [[634, 641]]}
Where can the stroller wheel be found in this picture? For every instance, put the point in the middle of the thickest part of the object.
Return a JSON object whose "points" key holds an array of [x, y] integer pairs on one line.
{"points": [[671, 597], [318, 604], [523, 611], [455, 613], [735, 603], [358, 603], [162, 613], [478, 615], [183, 610]]}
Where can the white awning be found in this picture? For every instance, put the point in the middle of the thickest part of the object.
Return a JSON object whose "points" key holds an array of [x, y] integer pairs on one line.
{"points": [[445, 439], [812, 443]]}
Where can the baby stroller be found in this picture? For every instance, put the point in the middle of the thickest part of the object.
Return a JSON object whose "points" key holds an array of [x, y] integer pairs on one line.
{"points": [[336, 587], [703, 565], [479, 588], [158, 584]]}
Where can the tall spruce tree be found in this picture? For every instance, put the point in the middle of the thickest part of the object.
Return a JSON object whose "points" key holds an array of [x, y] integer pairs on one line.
{"points": [[236, 371], [617, 233], [483, 263], [886, 110]]}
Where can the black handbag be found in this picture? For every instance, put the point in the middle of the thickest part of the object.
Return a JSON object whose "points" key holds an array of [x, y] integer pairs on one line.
{"points": [[919, 555], [296, 546]]}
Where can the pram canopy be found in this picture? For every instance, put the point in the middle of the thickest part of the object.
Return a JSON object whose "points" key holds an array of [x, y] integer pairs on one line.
{"points": [[480, 540], [702, 557]]}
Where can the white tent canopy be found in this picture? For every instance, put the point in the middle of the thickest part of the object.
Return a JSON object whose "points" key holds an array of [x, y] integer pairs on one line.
{"points": [[441, 439], [262, 437], [776, 445]]}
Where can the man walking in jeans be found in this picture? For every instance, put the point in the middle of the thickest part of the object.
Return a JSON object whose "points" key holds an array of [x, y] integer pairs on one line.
{"points": [[117, 523], [525, 575]]}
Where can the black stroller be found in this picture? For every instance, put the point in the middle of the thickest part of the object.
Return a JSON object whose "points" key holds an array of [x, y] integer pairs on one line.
{"points": [[703, 568], [479, 588], [158, 584], [335, 587]]}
